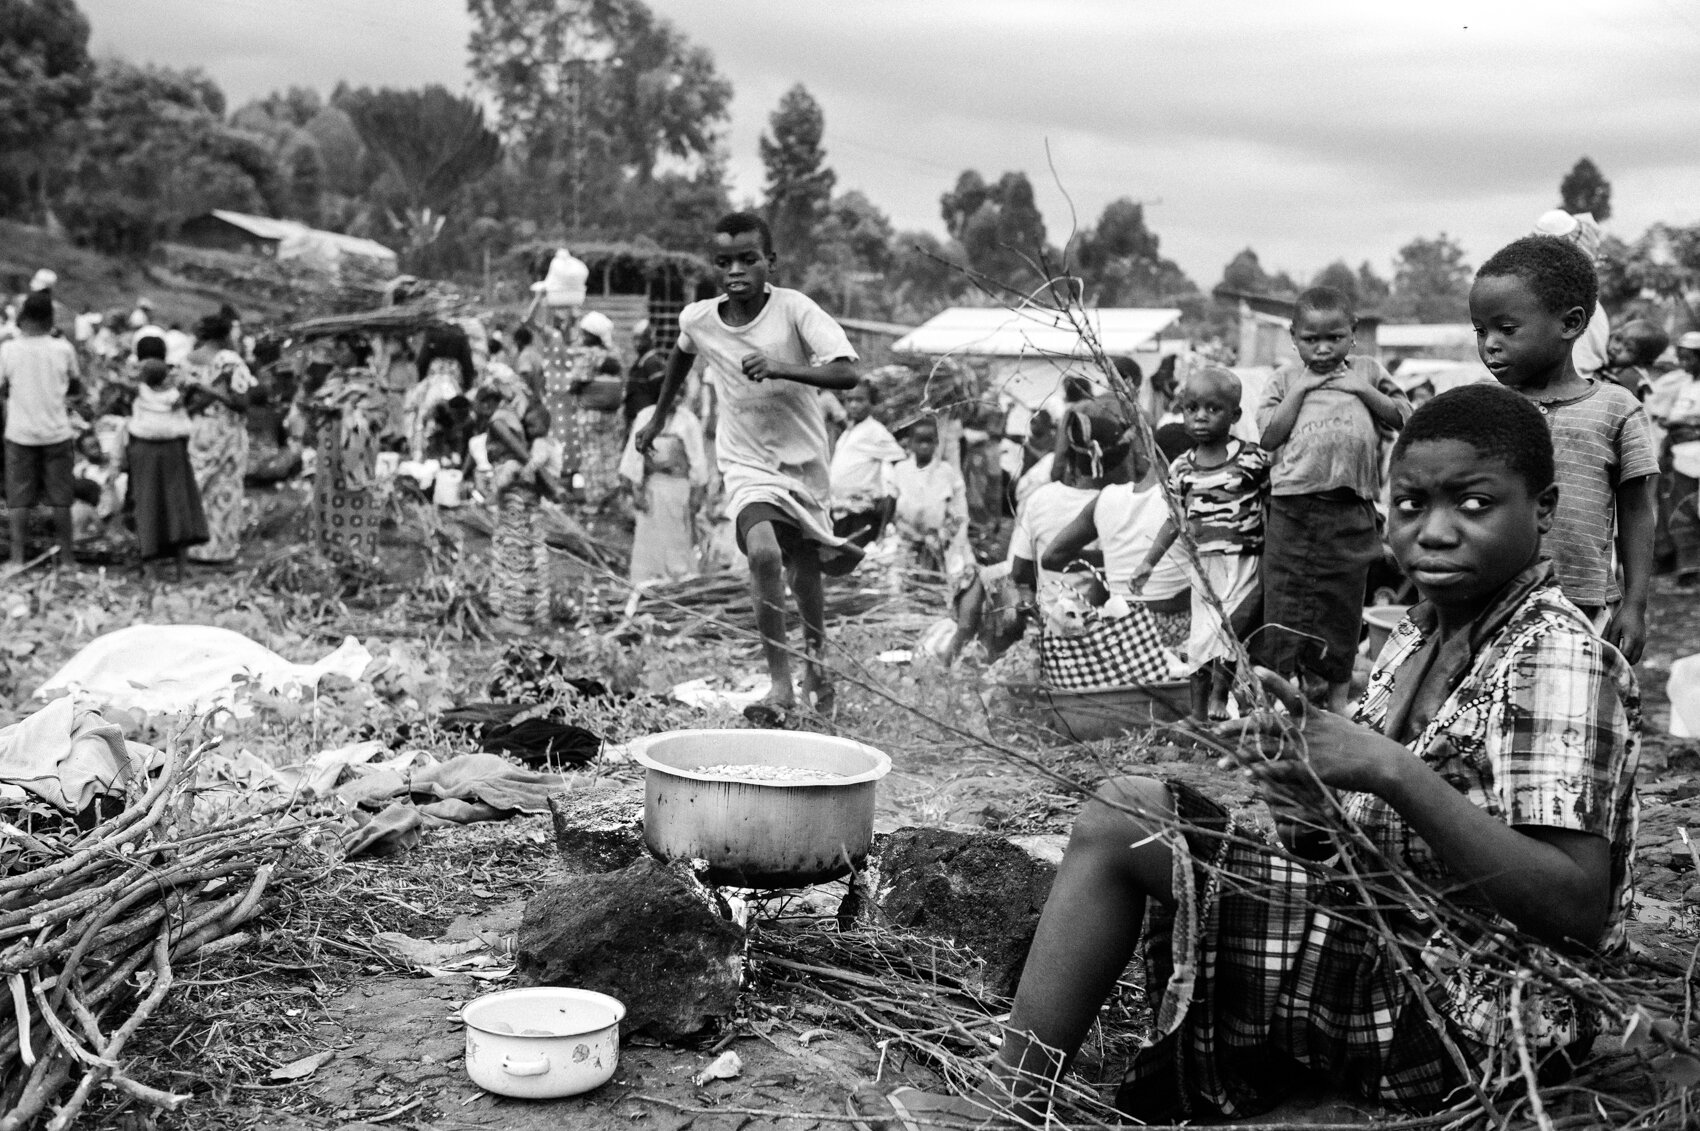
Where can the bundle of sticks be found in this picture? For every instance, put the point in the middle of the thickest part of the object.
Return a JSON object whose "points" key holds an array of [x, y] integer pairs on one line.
{"points": [[93, 925], [561, 531]]}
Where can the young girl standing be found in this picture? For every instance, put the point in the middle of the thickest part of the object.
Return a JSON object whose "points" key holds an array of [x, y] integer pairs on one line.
{"points": [[1322, 418]]}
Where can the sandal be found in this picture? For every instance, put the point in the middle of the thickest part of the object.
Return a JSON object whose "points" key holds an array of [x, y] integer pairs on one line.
{"points": [[767, 715]]}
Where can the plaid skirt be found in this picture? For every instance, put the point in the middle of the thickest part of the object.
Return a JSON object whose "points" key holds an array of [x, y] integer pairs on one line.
{"points": [[1268, 969], [1112, 653]]}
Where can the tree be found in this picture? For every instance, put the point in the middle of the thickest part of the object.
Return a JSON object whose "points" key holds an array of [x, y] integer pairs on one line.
{"points": [[925, 277], [306, 173], [799, 185], [1245, 273], [432, 141], [1341, 277], [592, 95], [1119, 264], [852, 257], [998, 227], [1431, 282], [1373, 290], [1585, 189], [45, 79], [152, 150]]}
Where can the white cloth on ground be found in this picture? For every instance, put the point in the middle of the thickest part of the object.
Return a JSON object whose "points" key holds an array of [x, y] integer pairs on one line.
{"points": [[67, 756], [166, 669]]}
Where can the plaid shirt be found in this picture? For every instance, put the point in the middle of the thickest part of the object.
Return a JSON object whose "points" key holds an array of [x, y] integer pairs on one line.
{"points": [[1545, 730]]}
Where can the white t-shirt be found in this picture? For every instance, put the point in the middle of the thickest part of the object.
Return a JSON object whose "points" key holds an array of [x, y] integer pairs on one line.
{"points": [[1041, 518], [1128, 522], [861, 465], [768, 430], [36, 373]]}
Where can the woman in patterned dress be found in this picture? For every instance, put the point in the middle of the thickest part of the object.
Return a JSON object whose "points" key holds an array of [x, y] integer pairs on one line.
{"points": [[348, 412], [218, 382]]}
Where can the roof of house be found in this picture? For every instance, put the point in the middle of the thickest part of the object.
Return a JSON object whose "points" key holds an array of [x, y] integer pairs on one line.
{"points": [[996, 331], [267, 228], [1427, 335]]}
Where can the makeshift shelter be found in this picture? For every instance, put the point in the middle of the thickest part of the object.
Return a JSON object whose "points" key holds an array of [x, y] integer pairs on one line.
{"points": [[1027, 351], [282, 240]]}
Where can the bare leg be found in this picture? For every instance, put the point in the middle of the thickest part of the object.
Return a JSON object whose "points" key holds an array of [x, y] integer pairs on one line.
{"points": [[767, 592], [1199, 693], [182, 557], [968, 612], [811, 606], [63, 532], [1221, 681], [19, 526], [1085, 939]]}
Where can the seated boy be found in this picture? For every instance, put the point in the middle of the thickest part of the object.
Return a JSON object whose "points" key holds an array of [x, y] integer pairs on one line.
{"points": [[1479, 808]]}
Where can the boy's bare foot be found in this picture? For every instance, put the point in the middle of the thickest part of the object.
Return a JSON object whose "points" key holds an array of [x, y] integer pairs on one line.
{"points": [[819, 692], [774, 711]]}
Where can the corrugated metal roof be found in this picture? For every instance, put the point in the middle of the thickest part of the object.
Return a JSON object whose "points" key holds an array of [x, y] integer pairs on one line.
{"points": [[978, 331], [1425, 335], [266, 228]]}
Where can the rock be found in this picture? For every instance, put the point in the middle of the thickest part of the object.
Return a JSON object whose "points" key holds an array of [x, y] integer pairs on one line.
{"points": [[1692, 895], [978, 890], [648, 934], [599, 826]]}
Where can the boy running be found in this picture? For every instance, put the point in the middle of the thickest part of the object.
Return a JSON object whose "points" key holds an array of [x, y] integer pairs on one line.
{"points": [[769, 351], [1530, 303]]}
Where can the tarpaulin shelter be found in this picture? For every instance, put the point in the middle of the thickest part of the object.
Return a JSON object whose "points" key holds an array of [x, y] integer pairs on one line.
{"points": [[1027, 351]]}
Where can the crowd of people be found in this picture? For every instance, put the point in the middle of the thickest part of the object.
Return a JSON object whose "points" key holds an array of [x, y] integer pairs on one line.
{"points": [[1490, 761]]}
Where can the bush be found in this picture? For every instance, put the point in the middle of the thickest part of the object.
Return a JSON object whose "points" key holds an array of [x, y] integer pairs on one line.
{"points": [[109, 223]]}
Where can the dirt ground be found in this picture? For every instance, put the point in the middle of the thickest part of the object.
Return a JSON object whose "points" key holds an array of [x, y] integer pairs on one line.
{"points": [[317, 979]]}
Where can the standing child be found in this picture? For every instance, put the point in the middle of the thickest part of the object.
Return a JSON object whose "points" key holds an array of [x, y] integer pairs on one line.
{"points": [[1678, 412], [667, 488], [165, 501], [38, 373], [931, 505], [769, 351], [1222, 483], [862, 463], [1530, 302], [1323, 418], [1491, 766]]}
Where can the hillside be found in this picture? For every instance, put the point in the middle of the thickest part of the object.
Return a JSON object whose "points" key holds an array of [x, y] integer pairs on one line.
{"points": [[182, 283]]}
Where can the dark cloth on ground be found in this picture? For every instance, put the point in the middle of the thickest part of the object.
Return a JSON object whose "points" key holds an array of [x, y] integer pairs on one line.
{"points": [[1317, 555], [39, 475], [165, 503], [542, 739]]}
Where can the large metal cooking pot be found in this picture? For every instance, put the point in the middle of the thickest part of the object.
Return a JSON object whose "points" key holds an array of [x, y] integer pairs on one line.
{"points": [[542, 1043], [764, 834]]}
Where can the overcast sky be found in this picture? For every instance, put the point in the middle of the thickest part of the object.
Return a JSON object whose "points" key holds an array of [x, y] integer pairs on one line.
{"points": [[1307, 129]]}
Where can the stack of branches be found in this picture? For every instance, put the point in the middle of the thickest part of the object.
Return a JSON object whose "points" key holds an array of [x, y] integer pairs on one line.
{"points": [[924, 999], [717, 606], [407, 318], [94, 923], [942, 386]]}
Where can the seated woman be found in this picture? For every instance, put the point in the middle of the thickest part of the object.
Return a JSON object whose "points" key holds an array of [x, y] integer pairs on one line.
{"points": [[1473, 821], [1078, 647], [1122, 521]]}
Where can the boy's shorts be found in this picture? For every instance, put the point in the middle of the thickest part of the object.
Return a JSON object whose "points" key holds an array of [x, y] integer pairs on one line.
{"points": [[793, 543], [39, 475]]}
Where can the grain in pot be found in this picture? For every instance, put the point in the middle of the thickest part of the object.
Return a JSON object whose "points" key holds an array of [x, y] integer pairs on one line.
{"points": [[749, 772]]}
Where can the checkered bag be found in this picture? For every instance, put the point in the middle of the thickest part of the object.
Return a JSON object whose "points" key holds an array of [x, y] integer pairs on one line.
{"points": [[1112, 653]]}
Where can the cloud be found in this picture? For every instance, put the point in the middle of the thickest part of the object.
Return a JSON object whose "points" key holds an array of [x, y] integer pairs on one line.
{"points": [[1308, 129]]}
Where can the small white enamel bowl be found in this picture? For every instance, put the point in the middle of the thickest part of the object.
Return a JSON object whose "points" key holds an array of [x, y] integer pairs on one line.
{"points": [[542, 1043]]}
